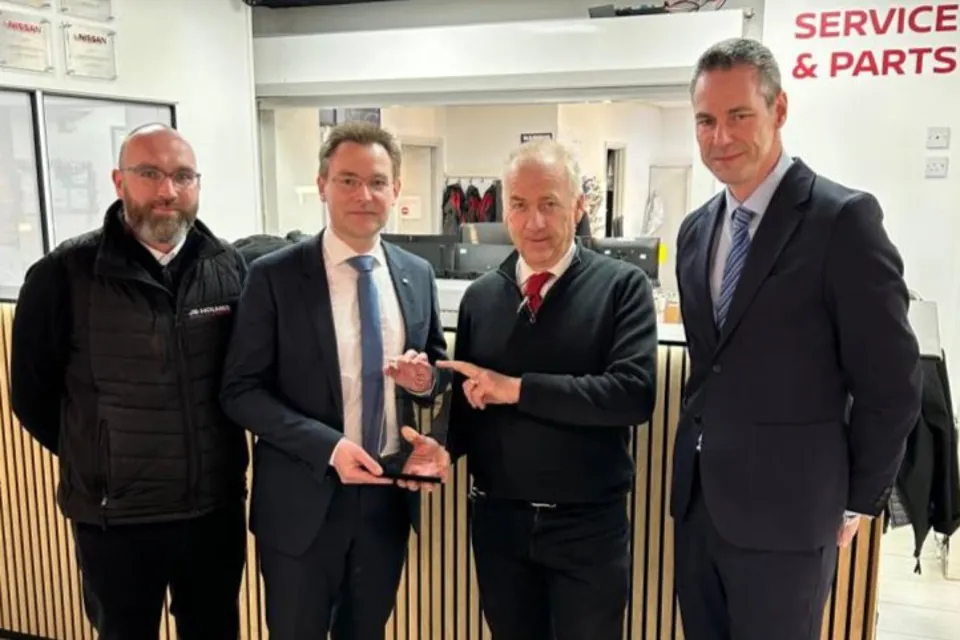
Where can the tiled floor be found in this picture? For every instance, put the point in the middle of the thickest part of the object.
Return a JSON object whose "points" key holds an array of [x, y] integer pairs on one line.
{"points": [[915, 607]]}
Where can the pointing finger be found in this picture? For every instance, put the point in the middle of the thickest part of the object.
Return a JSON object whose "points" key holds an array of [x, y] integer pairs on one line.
{"points": [[465, 368], [412, 436]]}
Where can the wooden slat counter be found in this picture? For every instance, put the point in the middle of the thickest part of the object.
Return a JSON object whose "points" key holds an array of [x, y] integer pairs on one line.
{"points": [[437, 600]]}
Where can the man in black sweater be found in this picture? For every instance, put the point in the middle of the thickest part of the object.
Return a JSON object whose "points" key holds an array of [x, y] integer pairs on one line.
{"points": [[556, 362]]}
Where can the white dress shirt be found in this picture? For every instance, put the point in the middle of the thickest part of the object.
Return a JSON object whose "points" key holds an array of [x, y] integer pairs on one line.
{"points": [[524, 270], [757, 202], [342, 281], [164, 258]]}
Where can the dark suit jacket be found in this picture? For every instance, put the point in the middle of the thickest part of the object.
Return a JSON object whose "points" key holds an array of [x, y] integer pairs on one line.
{"points": [[282, 382], [819, 317]]}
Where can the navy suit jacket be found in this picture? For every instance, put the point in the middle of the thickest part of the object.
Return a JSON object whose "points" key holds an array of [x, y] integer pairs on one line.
{"points": [[282, 382], [818, 319]]}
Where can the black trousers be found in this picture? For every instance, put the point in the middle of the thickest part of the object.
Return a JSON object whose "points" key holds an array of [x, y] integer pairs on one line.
{"points": [[346, 583], [552, 573], [730, 593], [127, 569]]}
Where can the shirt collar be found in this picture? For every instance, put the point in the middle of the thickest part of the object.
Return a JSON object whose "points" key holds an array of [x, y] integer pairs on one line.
{"points": [[165, 258], [759, 200], [524, 271], [336, 251]]}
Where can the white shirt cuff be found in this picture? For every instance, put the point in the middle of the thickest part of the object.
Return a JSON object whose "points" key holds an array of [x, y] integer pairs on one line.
{"points": [[336, 446]]}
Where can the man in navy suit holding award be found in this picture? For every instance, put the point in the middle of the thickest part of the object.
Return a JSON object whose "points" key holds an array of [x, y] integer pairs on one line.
{"points": [[805, 378], [335, 341]]}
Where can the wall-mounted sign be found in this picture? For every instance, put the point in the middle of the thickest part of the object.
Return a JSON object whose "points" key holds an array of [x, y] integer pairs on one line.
{"points": [[527, 137], [365, 114], [25, 42], [36, 4], [90, 52], [101, 10], [410, 208], [844, 31]]}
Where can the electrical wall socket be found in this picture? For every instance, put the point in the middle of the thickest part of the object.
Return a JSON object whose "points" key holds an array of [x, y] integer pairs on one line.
{"points": [[938, 138], [937, 167]]}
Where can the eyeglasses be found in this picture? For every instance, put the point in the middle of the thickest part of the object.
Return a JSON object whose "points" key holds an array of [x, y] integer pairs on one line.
{"points": [[182, 178], [352, 183]]}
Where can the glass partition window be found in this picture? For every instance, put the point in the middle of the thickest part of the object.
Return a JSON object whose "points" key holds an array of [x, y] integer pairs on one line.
{"points": [[83, 143], [21, 226]]}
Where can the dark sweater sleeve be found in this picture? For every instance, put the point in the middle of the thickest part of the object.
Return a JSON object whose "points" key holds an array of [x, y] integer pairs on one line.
{"points": [[625, 392], [39, 347]]}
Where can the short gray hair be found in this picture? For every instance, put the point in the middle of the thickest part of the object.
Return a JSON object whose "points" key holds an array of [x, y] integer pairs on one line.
{"points": [[737, 52], [545, 151]]}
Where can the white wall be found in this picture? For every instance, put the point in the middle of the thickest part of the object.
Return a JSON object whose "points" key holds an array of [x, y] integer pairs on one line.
{"points": [[422, 13], [297, 155], [199, 56], [416, 122], [678, 143], [871, 134], [478, 139]]}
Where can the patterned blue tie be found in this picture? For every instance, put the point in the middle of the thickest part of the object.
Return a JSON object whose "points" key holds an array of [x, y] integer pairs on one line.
{"points": [[739, 248], [371, 348]]}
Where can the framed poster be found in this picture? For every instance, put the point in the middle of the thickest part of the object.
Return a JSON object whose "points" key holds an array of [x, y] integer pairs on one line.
{"points": [[350, 115], [101, 10], [25, 42], [90, 52], [33, 4], [527, 137]]}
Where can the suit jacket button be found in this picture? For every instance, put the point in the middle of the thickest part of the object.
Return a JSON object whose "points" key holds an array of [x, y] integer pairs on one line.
{"points": [[698, 419], [716, 368]]}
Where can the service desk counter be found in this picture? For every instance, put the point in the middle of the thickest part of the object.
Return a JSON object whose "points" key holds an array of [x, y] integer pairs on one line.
{"points": [[438, 598]]}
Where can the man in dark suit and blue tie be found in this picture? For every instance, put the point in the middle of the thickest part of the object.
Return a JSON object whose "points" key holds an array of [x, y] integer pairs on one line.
{"points": [[335, 339], [805, 378]]}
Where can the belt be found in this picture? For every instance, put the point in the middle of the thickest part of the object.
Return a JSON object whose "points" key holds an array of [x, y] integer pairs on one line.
{"points": [[478, 493]]}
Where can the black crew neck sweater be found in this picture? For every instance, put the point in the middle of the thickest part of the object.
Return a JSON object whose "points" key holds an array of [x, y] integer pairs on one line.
{"points": [[587, 363]]}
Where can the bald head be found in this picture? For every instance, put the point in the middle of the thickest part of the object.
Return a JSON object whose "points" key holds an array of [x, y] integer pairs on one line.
{"points": [[157, 181], [150, 136]]}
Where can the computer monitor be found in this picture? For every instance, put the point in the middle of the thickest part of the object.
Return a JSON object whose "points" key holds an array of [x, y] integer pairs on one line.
{"points": [[438, 250], [643, 252], [474, 260], [418, 238], [484, 233]]}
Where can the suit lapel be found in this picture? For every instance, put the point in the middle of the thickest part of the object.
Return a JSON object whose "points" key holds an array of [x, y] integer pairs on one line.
{"points": [[316, 299], [779, 222], [396, 265], [703, 266]]}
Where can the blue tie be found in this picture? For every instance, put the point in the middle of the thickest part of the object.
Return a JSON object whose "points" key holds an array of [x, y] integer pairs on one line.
{"points": [[735, 261], [371, 348]]}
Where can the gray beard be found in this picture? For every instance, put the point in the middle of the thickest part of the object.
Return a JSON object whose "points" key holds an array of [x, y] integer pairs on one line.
{"points": [[159, 232]]}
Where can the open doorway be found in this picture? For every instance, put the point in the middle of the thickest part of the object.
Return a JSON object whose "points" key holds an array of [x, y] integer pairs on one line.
{"points": [[615, 153]]}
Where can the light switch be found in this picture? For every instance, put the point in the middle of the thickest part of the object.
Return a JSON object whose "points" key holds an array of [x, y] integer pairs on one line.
{"points": [[938, 138], [937, 167]]}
